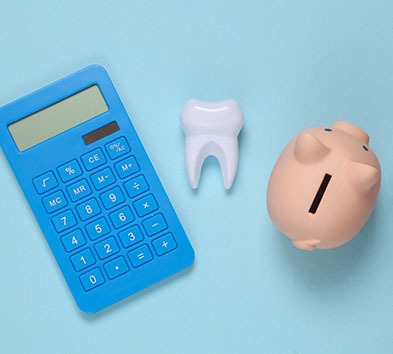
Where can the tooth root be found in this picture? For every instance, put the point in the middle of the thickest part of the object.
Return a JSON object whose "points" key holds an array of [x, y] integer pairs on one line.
{"points": [[211, 129]]}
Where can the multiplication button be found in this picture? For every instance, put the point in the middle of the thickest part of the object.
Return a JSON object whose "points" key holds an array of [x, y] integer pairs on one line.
{"points": [[145, 205], [45, 182]]}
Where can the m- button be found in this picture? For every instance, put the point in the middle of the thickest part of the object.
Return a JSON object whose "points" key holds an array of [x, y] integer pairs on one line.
{"points": [[93, 159]]}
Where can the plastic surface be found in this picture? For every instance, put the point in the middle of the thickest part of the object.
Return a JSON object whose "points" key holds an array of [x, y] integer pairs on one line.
{"points": [[324, 186], [79, 196], [211, 129]]}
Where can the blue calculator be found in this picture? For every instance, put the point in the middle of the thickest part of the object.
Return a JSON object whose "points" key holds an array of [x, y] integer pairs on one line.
{"points": [[93, 189]]}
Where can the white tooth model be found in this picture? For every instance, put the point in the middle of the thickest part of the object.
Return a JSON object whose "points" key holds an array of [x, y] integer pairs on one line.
{"points": [[211, 129]]}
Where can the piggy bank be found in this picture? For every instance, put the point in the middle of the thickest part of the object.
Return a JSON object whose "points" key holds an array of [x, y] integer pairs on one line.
{"points": [[324, 186]]}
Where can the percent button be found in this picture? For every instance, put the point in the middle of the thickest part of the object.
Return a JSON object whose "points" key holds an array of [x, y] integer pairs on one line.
{"points": [[69, 171]]}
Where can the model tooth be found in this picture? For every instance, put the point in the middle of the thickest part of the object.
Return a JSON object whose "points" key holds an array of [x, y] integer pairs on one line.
{"points": [[211, 129]]}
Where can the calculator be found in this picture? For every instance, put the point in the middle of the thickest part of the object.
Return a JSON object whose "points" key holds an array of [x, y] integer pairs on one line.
{"points": [[93, 189]]}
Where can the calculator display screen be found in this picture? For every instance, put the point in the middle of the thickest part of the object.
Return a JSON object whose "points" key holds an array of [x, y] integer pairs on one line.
{"points": [[58, 118]]}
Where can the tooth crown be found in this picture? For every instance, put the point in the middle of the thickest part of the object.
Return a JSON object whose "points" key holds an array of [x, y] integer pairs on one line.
{"points": [[211, 129]]}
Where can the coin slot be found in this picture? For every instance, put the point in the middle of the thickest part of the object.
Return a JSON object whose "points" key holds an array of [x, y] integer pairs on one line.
{"points": [[321, 191]]}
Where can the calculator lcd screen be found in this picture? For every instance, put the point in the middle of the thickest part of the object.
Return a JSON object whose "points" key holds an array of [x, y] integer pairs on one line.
{"points": [[57, 118]]}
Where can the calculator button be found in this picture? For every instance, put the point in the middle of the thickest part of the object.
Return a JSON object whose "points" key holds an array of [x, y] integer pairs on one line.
{"points": [[92, 279], [45, 182], [155, 224], [103, 179], [64, 221], [73, 240], [116, 268], [145, 205], [136, 186], [164, 244], [117, 148], [69, 171], [98, 228], [83, 259], [106, 248], [122, 217], [54, 202], [79, 190], [140, 256], [112, 198], [93, 159], [127, 167], [88, 209], [131, 236]]}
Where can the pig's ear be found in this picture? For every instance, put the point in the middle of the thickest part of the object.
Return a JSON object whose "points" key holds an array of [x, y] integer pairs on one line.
{"points": [[362, 176], [309, 149]]}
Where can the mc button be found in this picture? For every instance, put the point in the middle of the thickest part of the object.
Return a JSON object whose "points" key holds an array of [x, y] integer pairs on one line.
{"points": [[54, 202]]}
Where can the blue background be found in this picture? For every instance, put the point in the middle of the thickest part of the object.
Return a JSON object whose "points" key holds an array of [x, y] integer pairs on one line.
{"points": [[291, 65]]}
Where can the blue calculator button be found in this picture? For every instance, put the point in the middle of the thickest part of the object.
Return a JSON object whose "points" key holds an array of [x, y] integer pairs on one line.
{"points": [[69, 171], [112, 198], [164, 244], [93, 159], [122, 217], [107, 248], [92, 279], [117, 148], [73, 240], [79, 190], [155, 224], [98, 228], [140, 256], [131, 236], [45, 182], [83, 259], [88, 209], [64, 221], [136, 186], [145, 205], [127, 167], [54, 202], [103, 179], [116, 268]]}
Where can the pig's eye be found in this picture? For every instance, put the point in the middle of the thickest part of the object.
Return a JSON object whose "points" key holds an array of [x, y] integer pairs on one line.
{"points": [[365, 147], [328, 130]]}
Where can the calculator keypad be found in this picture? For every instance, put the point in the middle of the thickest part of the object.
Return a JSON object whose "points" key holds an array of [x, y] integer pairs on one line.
{"points": [[108, 219]]}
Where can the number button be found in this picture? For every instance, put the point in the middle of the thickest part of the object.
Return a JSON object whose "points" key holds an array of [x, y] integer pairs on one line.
{"points": [[145, 205], [93, 159], [64, 221], [164, 244], [140, 256], [79, 190], [88, 209], [103, 179], [155, 224], [117, 148], [54, 202], [98, 228], [69, 171], [122, 217], [45, 182], [131, 236], [92, 279], [136, 186], [127, 167], [73, 240], [116, 268], [82, 260], [112, 198], [106, 248]]}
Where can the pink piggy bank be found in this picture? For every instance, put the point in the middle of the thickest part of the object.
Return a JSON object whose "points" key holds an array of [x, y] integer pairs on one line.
{"points": [[324, 186]]}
